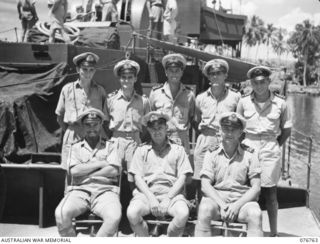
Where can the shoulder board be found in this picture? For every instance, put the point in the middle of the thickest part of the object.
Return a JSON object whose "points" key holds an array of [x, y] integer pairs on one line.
{"points": [[112, 93], [247, 148], [144, 95], [75, 142], [213, 148], [245, 95], [157, 87], [280, 96], [188, 87], [144, 144], [233, 89]]}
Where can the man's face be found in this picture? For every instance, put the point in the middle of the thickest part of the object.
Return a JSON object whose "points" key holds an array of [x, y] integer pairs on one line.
{"points": [[86, 72], [174, 74], [231, 134], [127, 80], [217, 78], [92, 128], [260, 87], [158, 132]]}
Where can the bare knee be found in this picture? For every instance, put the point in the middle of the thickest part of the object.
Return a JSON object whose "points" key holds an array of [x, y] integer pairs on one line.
{"points": [[182, 213], [207, 209], [254, 215], [134, 214], [63, 214]]}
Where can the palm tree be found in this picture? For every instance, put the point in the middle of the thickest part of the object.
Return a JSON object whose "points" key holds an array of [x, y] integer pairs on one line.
{"points": [[304, 42], [254, 30], [279, 43], [269, 38]]}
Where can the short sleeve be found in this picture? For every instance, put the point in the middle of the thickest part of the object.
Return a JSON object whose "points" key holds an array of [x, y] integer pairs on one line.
{"points": [[184, 166], [285, 118], [207, 167], [136, 167], [254, 165], [146, 105], [113, 157], [240, 107], [73, 158], [151, 100], [60, 109]]}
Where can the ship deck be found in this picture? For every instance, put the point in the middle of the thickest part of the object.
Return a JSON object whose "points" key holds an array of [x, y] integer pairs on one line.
{"points": [[292, 222]]}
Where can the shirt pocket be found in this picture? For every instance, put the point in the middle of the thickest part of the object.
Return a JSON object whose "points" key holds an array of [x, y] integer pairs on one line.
{"points": [[248, 114], [274, 115], [170, 168], [240, 173], [181, 113]]}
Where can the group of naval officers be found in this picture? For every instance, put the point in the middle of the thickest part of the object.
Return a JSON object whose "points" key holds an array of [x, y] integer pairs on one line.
{"points": [[236, 157]]}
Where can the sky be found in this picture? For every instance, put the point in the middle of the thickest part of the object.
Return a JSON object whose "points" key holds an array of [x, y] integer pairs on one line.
{"points": [[281, 13]]}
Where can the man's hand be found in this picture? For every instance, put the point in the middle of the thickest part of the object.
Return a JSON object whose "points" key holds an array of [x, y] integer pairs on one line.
{"points": [[232, 212], [154, 205], [164, 205], [223, 212]]}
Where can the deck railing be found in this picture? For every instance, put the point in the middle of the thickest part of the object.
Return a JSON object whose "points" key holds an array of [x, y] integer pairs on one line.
{"points": [[301, 144]]}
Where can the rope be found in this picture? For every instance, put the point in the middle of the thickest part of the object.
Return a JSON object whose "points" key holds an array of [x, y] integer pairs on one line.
{"points": [[8, 30], [215, 17], [73, 32]]}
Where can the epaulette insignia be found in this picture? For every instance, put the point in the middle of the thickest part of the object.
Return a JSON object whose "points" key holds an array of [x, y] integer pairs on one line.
{"points": [[157, 87], [233, 89], [188, 88], [280, 96], [213, 148], [144, 95], [245, 95], [247, 148], [75, 142], [112, 93]]}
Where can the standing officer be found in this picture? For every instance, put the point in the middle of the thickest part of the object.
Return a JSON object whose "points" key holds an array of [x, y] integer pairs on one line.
{"points": [[76, 97], [175, 99], [125, 108], [160, 169], [209, 106], [94, 169], [268, 126], [230, 181]]}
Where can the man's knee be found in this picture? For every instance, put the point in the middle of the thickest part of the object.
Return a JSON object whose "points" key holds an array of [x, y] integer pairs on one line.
{"points": [[181, 213], [206, 209], [254, 214], [134, 213], [63, 214]]}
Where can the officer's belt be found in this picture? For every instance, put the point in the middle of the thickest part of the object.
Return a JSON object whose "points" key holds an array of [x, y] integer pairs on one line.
{"points": [[209, 131], [261, 137], [93, 179], [124, 134]]}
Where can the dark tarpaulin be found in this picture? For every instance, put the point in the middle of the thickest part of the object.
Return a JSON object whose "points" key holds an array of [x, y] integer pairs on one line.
{"points": [[28, 98]]}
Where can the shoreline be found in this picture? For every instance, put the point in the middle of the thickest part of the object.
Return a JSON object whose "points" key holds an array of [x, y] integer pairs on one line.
{"points": [[298, 89]]}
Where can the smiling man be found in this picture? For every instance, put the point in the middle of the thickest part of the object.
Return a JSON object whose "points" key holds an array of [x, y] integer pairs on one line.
{"points": [[76, 97], [125, 109], [268, 127], [230, 181], [160, 170], [175, 99]]}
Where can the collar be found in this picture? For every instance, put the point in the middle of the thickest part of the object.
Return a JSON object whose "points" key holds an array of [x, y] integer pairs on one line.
{"points": [[121, 95], [239, 151], [101, 144], [166, 88], [167, 142], [77, 84], [209, 93], [271, 97]]}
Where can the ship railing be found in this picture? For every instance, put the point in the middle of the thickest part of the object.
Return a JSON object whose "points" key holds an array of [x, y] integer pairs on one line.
{"points": [[298, 144]]}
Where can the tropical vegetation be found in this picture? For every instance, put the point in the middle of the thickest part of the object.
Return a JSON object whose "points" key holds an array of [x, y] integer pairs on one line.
{"points": [[303, 43]]}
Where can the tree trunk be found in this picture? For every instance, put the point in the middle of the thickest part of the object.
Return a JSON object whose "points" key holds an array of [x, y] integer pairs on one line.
{"points": [[305, 71], [257, 52]]}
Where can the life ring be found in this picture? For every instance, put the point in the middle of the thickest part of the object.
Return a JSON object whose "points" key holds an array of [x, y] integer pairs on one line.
{"points": [[73, 32]]}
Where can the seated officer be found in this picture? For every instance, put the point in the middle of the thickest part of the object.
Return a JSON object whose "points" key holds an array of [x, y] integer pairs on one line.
{"points": [[94, 169], [230, 180], [160, 169]]}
